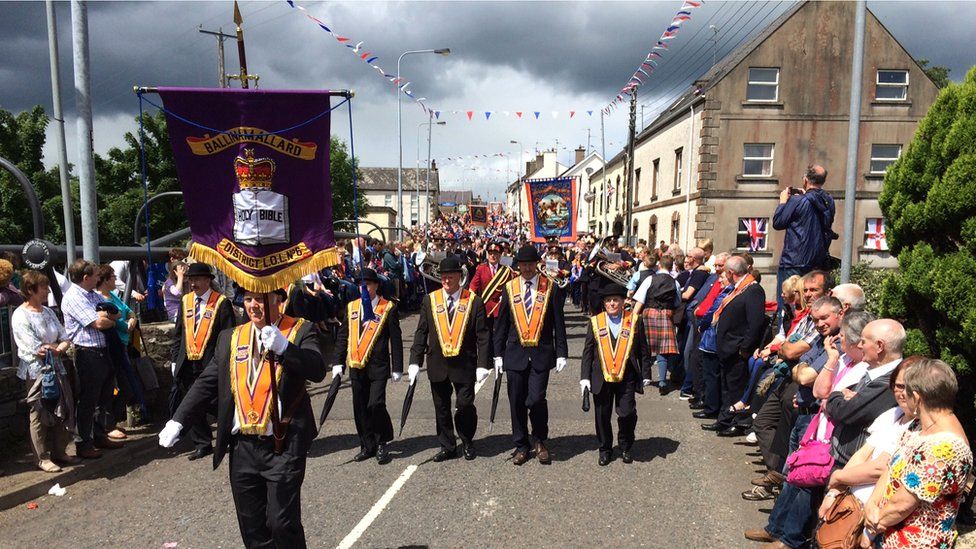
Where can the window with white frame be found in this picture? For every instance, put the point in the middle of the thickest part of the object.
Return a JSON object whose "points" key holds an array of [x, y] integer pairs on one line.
{"points": [[655, 173], [757, 160], [675, 228], [883, 156], [763, 84], [874, 234], [637, 173], [751, 234], [678, 167], [891, 85], [388, 200]]}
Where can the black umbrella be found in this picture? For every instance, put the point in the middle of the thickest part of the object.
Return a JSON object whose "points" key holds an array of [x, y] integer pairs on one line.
{"points": [[330, 399], [407, 402], [586, 400], [494, 399]]}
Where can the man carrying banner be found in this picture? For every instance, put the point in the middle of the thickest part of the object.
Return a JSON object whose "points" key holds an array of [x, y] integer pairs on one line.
{"points": [[369, 348], [264, 416], [453, 334], [530, 340], [204, 313], [489, 282], [613, 355]]}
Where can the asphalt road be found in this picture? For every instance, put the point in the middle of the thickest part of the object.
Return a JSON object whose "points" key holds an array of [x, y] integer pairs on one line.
{"points": [[682, 490]]}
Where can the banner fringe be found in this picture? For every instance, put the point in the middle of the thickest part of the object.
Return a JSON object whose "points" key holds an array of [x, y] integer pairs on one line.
{"points": [[269, 283]]}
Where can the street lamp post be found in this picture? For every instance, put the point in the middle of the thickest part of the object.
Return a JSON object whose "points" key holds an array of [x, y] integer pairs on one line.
{"points": [[518, 197], [439, 51], [429, 125]]}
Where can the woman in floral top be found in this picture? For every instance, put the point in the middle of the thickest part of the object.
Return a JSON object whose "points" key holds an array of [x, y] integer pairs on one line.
{"points": [[915, 503]]}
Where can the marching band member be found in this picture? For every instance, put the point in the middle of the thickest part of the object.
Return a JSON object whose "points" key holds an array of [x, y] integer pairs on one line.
{"points": [[530, 340], [204, 313], [369, 348], [613, 356], [264, 416], [453, 335], [489, 282]]}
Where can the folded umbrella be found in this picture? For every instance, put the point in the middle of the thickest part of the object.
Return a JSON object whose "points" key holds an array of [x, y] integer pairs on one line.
{"points": [[407, 402], [330, 399], [586, 400], [494, 400]]}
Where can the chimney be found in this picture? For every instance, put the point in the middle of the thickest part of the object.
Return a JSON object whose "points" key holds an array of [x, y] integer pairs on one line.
{"points": [[580, 153]]}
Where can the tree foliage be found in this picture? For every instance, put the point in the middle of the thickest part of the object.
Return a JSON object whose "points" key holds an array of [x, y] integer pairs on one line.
{"points": [[929, 205], [118, 181], [938, 73]]}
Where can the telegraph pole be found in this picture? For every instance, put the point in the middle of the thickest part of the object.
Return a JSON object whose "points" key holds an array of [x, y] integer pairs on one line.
{"points": [[68, 210], [86, 169], [853, 138], [219, 33], [629, 229], [606, 197]]}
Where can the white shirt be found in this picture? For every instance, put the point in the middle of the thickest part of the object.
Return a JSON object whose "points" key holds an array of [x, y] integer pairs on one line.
{"points": [[121, 269], [198, 310], [883, 436], [640, 295], [535, 285], [888, 367], [850, 376], [614, 325]]}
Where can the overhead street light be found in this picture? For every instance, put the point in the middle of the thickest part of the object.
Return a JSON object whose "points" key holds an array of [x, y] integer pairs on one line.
{"points": [[417, 178], [518, 197]]}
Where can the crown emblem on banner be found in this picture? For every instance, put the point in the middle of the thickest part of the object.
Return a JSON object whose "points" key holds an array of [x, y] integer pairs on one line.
{"points": [[253, 173]]}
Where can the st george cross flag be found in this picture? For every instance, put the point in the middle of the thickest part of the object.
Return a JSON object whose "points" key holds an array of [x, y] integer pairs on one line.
{"points": [[755, 233], [552, 208], [254, 169], [875, 239]]}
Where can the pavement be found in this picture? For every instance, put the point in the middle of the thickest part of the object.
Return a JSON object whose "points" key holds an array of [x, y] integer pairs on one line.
{"points": [[682, 490]]}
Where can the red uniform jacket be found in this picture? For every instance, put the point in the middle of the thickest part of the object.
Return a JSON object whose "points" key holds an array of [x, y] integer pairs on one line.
{"points": [[482, 277]]}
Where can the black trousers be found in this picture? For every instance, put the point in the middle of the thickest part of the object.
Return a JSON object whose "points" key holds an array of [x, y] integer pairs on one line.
{"points": [[373, 423], [465, 418], [267, 490], [527, 401], [198, 431], [621, 396], [96, 383], [712, 374], [694, 367], [734, 377], [773, 424]]}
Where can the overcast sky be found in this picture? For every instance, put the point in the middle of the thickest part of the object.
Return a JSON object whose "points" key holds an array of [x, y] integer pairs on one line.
{"points": [[506, 56]]}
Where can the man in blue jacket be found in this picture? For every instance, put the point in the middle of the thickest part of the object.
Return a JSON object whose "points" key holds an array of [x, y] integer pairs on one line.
{"points": [[807, 216]]}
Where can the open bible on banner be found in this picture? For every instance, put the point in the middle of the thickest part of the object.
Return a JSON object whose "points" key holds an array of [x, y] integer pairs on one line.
{"points": [[254, 169], [552, 208]]}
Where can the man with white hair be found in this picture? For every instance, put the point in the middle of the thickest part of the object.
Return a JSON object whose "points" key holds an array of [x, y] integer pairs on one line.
{"points": [[850, 295]]}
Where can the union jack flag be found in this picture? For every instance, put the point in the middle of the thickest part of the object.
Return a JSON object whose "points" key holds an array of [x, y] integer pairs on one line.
{"points": [[609, 189], [755, 228], [875, 237]]}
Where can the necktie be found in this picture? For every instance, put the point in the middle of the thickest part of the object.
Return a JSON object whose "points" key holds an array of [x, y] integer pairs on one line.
{"points": [[196, 311], [492, 270], [527, 299], [450, 307]]}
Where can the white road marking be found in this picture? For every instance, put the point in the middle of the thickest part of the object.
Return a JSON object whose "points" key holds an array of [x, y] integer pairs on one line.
{"points": [[377, 508]]}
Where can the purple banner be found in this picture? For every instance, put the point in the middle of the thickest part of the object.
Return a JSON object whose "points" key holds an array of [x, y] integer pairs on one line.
{"points": [[254, 169]]}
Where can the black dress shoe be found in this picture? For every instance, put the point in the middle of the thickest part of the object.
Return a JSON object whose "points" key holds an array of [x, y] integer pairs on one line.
{"points": [[363, 455], [445, 455], [696, 405], [468, 451], [734, 431], [626, 457], [704, 415], [663, 390], [201, 452], [605, 459], [713, 427], [382, 454]]}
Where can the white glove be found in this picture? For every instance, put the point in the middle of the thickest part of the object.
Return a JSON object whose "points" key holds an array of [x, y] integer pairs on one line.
{"points": [[560, 364], [498, 365], [172, 368], [336, 371], [397, 376], [170, 434], [482, 374], [274, 340], [584, 386], [412, 372]]}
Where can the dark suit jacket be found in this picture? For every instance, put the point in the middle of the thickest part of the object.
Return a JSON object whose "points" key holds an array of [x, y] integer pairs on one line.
{"points": [[387, 351], [552, 340], [301, 363], [590, 366], [225, 319], [740, 326], [475, 347]]}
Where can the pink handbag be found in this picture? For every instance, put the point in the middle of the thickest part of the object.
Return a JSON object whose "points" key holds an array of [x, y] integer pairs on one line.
{"points": [[810, 465]]}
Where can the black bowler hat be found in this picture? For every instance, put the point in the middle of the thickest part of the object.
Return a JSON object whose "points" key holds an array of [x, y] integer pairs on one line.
{"points": [[199, 269], [369, 275], [281, 293], [450, 264], [611, 290], [527, 253]]}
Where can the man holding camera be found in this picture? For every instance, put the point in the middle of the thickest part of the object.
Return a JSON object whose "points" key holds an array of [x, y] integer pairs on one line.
{"points": [[806, 215]]}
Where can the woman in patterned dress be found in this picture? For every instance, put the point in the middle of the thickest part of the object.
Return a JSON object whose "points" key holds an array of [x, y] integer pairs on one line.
{"points": [[915, 503]]}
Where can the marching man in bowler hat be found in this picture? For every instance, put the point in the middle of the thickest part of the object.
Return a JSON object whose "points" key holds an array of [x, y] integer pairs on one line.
{"points": [[453, 335], [258, 377], [204, 313], [613, 353], [530, 340], [370, 348]]}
